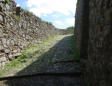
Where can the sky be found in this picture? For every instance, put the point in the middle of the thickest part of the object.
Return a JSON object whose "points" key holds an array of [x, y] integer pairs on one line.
{"points": [[59, 12]]}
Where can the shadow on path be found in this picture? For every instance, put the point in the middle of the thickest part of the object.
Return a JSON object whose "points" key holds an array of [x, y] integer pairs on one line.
{"points": [[59, 59]]}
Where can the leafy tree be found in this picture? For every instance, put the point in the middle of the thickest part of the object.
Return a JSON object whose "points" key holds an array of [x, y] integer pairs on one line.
{"points": [[71, 28]]}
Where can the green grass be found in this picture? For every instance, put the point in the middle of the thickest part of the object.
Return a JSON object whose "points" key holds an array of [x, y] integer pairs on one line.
{"points": [[17, 17], [76, 53], [27, 53], [30, 53], [10, 65]]}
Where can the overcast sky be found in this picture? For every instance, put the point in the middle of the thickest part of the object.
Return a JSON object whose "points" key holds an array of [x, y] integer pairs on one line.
{"points": [[59, 12]]}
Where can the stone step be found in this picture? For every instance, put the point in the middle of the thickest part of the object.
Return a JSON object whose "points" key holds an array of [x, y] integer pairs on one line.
{"points": [[43, 81]]}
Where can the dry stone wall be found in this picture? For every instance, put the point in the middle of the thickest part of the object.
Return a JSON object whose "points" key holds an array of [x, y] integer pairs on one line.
{"points": [[82, 32], [19, 29], [99, 46], [78, 23]]}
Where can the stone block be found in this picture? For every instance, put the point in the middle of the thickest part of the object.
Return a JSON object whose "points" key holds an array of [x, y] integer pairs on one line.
{"points": [[1, 18], [2, 58], [7, 51]]}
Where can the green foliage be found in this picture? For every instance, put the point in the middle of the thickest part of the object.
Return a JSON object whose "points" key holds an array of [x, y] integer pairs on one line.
{"points": [[9, 65], [7, 2], [17, 17], [48, 22], [71, 28], [26, 10], [28, 52]]}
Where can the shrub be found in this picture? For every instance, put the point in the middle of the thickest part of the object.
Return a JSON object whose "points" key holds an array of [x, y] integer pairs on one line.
{"points": [[17, 17], [26, 10], [7, 2], [71, 28]]}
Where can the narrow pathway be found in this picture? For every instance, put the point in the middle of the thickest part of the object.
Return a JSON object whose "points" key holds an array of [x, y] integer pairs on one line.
{"points": [[54, 67]]}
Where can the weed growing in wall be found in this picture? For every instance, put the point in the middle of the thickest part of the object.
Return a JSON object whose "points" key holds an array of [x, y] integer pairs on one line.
{"points": [[26, 11], [17, 17], [7, 2]]}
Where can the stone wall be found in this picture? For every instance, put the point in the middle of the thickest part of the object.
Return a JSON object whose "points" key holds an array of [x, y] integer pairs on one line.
{"points": [[78, 23], [65, 32], [19, 29], [81, 26], [99, 49]]}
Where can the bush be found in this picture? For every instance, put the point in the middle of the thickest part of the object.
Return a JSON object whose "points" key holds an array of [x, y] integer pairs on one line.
{"points": [[17, 17], [26, 10], [7, 2], [71, 28]]}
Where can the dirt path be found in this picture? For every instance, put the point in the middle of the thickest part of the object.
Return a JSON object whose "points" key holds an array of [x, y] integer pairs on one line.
{"points": [[56, 57]]}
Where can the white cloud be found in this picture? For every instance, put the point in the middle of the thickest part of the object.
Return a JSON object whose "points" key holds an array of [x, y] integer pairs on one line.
{"points": [[64, 24], [41, 7], [18, 5], [55, 15], [70, 21], [40, 11], [58, 22]]}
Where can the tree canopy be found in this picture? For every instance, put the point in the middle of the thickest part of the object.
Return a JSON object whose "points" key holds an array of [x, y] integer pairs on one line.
{"points": [[71, 28]]}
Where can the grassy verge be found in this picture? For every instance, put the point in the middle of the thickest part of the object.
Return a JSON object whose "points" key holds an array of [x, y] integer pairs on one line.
{"points": [[76, 56], [27, 56]]}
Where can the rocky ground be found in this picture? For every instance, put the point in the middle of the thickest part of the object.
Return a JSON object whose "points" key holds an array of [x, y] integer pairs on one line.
{"points": [[56, 63]]}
